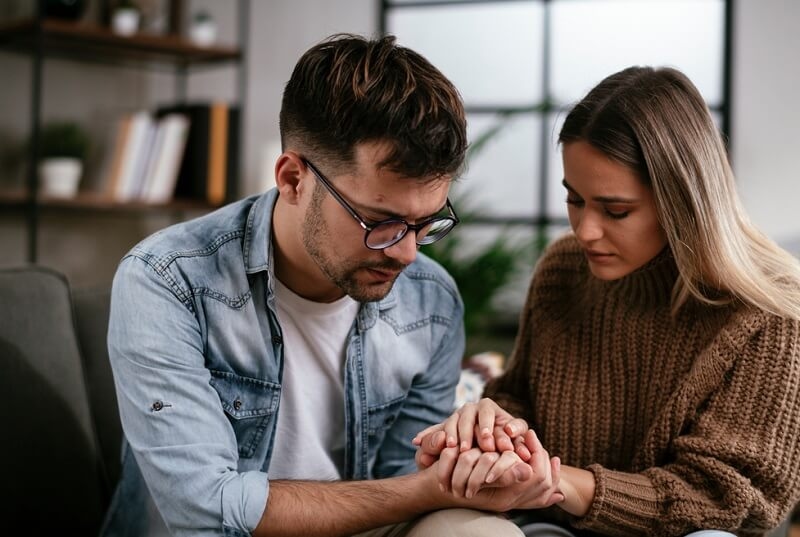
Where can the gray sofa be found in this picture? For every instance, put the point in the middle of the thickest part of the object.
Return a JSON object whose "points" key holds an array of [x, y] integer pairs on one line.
{"points": [[61, 432]]}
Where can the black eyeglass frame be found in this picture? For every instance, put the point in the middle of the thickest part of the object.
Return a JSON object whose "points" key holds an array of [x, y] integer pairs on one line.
{"points": [[369, 228]]}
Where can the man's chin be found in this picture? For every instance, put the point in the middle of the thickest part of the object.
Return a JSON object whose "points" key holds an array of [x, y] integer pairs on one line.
{"points": [[370, 292]]}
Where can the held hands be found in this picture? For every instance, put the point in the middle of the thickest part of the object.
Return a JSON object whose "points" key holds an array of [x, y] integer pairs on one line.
{"points": [[508, 467], [484, 422]]}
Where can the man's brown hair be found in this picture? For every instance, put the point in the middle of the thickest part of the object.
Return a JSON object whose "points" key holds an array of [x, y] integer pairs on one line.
{"points": [[348, 90]]}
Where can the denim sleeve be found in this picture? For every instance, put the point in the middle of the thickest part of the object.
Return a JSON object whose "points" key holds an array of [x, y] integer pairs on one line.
{"points": [[171, 415], [429, 401]]}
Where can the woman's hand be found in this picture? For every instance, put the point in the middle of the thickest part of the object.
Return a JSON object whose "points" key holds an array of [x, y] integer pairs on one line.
{"points": [[484, 422]]}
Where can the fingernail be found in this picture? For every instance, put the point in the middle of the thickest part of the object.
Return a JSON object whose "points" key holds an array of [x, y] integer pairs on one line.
{"points": [[441, 487], [464, 446], [468, 494], [451, 442], [485, 431], [490, 478]]}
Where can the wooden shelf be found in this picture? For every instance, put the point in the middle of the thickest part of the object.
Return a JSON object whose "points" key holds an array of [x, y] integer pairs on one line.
{"points": [[89, 201], [87, 42]]}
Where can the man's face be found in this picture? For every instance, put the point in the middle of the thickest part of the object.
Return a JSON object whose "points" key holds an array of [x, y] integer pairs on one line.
{"points": [[334, 240]]}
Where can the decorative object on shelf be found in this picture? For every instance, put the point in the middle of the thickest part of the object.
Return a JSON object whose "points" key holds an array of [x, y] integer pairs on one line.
{"points": [[125, 18], [64, 146], [155, 16], [64, 9], [203, 29]]}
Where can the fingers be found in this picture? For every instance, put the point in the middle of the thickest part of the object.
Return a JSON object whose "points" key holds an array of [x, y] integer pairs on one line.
{"points": [[433, 444], [466, 425], [451, 429], [516, 427], [487, 411], [417, 440], [502, 441], [465, 466], [477, 477], [521, 449], [505, 462], [444, 471], [424, 460]]}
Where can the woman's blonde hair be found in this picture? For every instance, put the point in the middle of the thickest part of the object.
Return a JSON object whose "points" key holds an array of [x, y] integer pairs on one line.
{"points": [[656, 122]]}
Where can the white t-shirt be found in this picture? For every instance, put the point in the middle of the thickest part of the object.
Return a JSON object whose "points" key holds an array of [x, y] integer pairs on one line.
{"points": [[310, 435]]}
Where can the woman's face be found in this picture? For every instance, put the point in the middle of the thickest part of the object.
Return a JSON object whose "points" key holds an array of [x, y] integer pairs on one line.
{"points": [[611, 211]]}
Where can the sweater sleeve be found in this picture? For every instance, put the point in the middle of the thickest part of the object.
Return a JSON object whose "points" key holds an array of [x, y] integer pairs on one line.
{"points": [[736, 465]]}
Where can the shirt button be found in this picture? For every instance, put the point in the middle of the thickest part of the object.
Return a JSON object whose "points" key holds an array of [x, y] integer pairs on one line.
{"points": [[277, 340], [237, 405], [158, 405]]}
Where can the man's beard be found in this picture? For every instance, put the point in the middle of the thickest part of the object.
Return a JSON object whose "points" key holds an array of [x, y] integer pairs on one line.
{"points": [[342, 272]]}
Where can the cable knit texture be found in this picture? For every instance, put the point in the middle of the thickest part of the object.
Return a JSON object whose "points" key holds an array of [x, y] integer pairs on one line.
{"points": [[687, 422]]}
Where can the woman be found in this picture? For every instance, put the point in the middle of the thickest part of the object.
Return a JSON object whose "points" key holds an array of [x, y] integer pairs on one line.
{"points": [[659, 349]]}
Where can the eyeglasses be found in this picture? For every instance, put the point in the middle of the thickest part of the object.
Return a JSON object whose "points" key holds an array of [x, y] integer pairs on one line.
{"points": [[385, 233]]}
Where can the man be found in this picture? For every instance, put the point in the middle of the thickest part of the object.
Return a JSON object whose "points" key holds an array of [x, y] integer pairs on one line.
{"points": [[274, 359]]}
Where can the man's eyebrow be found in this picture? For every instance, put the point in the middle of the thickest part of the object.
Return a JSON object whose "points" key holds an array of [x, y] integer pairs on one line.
{"points": [[601, 199], [390, 215]]}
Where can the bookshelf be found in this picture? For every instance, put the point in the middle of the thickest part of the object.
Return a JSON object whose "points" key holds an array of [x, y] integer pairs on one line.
{"points": [[42, 39]]}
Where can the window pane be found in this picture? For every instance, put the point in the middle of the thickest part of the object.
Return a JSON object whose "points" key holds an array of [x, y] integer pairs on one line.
{"points": [[492, 52], [593, 39], [556, 193], [500, 176]]}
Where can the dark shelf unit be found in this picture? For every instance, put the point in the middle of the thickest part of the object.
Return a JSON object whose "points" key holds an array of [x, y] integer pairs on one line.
{"points": [[42, 38]]}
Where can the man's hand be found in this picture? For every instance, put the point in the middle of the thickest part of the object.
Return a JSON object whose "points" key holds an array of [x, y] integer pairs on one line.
{"points": [[466, 474]]}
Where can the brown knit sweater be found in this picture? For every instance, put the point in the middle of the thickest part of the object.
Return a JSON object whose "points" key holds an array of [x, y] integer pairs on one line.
{"points": [[686, 422]]}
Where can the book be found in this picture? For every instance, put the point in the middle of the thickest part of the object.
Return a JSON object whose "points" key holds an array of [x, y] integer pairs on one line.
{"points": [[133, 160], [162, 171], [210, 161], [110, 178]]}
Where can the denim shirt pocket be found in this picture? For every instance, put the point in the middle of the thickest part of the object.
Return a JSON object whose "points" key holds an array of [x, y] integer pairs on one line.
{"points": [[249, 404], [382, 417]]}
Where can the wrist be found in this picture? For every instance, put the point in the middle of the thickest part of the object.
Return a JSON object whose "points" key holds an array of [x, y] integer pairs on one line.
{"points": [[578, 486]]}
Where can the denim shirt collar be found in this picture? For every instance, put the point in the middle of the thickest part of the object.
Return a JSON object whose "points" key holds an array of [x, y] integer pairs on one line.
{"points": [[258, 255]]}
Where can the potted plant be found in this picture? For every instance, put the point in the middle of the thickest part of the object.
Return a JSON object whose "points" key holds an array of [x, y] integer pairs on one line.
{"points": [[125, 18], [63, 149], [203, 29]]}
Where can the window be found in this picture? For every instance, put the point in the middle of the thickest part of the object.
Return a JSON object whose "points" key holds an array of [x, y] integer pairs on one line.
{"points": [[521, 64]]}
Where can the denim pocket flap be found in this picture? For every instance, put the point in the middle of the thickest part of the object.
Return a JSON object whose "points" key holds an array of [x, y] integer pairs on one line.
{"points": [[245, 397], [381, 417]]}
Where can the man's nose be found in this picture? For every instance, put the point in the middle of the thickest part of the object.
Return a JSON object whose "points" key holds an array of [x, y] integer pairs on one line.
{"points": [[405, 250]]}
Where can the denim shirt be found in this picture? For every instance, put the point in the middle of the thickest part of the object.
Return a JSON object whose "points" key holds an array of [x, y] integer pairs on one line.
{"points": [[197, 356]]}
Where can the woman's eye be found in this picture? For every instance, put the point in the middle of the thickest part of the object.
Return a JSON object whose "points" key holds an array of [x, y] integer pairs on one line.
{"points": [[575, 201], [617, 215]]}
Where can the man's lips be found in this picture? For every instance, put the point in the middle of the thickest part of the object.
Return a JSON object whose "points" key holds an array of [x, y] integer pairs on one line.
{"points": [[383, 274]]}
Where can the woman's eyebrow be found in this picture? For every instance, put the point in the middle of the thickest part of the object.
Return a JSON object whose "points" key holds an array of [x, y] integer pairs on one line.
{"points": [[601, 199]]}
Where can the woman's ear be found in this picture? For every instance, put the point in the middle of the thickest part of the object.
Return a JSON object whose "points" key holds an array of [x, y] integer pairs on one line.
{"points": [[289, 170]]}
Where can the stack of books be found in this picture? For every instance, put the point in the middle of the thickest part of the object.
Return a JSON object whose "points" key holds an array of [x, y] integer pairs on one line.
{"points": [[186, 151]]}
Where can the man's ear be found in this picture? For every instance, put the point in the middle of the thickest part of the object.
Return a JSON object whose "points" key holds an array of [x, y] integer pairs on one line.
{"points": [[289, 171]]}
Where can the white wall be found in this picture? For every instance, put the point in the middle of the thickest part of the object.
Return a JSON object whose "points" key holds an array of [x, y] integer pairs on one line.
{"points": [[766, 114], [281, 31]]}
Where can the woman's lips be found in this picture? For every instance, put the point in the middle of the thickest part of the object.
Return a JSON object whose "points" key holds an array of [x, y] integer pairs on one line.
{"points": [[597, 256]]}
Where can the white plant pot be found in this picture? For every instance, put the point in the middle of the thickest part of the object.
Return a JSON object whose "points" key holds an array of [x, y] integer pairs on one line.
{"points": [[203, 34], [125, 21], [59, 177]]}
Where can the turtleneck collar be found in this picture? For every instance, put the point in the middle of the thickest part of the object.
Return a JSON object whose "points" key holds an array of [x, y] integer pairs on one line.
{"points": [[648, 286]]}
